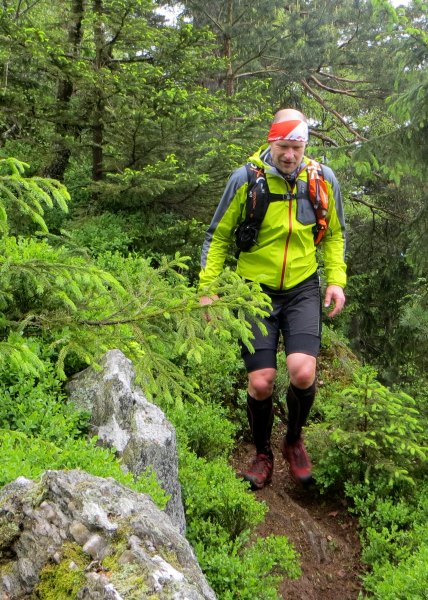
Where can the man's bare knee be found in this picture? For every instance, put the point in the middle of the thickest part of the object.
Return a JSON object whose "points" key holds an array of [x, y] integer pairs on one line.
{"points": [[260, 383], [302, 370]]}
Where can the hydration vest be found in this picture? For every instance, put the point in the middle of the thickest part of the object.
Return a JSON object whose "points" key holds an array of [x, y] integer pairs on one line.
{"points": [[259, 196]]}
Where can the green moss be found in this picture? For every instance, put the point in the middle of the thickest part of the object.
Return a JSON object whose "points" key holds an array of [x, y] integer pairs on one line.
{"points": [[9, 530], [130, 580], [62, 582], [170, 557]]}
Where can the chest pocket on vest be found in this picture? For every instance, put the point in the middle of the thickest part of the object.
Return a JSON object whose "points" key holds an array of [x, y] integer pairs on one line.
{"points": [[305, 212]]}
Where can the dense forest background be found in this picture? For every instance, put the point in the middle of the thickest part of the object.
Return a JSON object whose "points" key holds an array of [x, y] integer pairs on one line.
{"points": [[120, 121]]}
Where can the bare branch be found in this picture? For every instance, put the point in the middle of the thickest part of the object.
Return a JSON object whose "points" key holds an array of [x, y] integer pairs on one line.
{"points": [[9, 131], [324, 138], [352, 93], [375, 208], [216, 23], [256, 55], [18, 12], [348, 41], [331, 110], [238, 18], [261, 72], [114, 39], [344, 79]]}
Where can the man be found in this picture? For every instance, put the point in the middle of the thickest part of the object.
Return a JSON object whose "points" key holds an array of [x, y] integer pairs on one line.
{"points": [[284, 262]]}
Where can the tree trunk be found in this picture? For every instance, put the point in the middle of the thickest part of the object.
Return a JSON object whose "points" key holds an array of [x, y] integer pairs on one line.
{"points": [[61, 149], [227, 45], [98, 117]]}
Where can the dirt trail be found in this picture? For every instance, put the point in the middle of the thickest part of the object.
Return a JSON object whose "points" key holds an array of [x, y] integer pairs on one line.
{"points": [[321, 530]]}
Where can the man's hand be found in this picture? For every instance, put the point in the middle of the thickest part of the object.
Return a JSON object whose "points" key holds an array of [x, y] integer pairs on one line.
{"points": [[205, 301], [334, 294]]}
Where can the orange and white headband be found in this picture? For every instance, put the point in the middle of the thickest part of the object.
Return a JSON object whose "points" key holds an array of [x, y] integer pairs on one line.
{"points": [[293, 131]]}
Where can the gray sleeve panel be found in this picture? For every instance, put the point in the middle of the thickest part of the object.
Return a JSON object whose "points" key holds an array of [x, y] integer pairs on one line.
{"points": [[236, 180], [331, 178]]}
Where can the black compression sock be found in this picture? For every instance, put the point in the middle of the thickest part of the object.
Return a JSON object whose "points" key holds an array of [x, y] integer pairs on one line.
{"points": [[260, 417], [299, 403]]}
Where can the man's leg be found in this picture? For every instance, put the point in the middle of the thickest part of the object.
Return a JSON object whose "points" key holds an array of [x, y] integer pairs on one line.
{"points": [[260, 408], [301, 392], [261, 368], [301, 326], [300, 397], [260, 418]]}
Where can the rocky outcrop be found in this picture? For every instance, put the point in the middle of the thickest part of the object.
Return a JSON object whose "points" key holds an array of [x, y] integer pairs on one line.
{"points": [[123, 419], [73, 535]]}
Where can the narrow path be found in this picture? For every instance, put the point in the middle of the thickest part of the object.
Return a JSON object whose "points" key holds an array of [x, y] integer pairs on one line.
{"points": [[321, 530]]}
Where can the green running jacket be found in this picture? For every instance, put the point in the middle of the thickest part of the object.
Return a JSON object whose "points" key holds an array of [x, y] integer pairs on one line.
{"points": [[285, 253]]}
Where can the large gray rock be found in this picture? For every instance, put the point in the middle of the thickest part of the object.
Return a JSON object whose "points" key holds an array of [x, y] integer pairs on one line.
{"points": [[123, 419], [73, 535]]}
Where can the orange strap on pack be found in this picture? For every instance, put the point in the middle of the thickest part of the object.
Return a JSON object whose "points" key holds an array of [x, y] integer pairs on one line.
{"points": [[318, 195]]}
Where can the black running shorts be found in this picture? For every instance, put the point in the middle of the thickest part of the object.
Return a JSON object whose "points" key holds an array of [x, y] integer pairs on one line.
{"points": [[296, 313]]}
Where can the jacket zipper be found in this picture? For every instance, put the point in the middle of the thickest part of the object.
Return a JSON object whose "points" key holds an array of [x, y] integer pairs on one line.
{"points": [[287, 241]]}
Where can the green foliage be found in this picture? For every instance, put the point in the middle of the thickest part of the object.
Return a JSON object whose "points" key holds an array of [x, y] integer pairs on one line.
{"points": [[83, 310], [102, 233], [20, 195], [371, 434], [414, 318], [205, 428], [164, 317], [213, 493], [29, 457], [16, 353], [38, 407], [407, 580], [44, 291], [220, 374], [220, 513], [394, 535], [236, 571]]}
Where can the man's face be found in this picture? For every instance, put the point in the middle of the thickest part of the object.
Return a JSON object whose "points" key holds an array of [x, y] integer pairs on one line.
{"points": [[286, 155]]}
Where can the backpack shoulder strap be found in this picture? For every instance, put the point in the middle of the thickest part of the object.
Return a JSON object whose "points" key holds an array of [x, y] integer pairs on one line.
{"points": [[257, 193], [318, 195], [255, 210]]}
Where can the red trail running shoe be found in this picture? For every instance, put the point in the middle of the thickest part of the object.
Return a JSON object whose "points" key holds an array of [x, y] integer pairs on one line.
{"points": [[298, 460], [259, 473]]}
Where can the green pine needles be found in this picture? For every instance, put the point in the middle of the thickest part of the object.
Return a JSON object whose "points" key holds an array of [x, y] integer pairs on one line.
{"points": [[82, 307], [28, 195]]}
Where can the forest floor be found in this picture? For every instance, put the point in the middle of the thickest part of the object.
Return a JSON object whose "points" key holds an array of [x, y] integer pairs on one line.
{"points": [[320, 528]]}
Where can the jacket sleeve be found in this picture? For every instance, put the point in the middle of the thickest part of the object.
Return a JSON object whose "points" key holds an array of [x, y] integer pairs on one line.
{"points": [[335, 239], [219, 234]]}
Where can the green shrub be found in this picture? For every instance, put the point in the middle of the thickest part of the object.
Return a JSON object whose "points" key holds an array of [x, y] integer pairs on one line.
{"points": [[221, 372], [220, 514], [38, 407], [206, 429], [163, 234], [240, 571], [29, 457], [370, 434], [393, 535], [101, 233], [211, 492], [405, 581]]}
